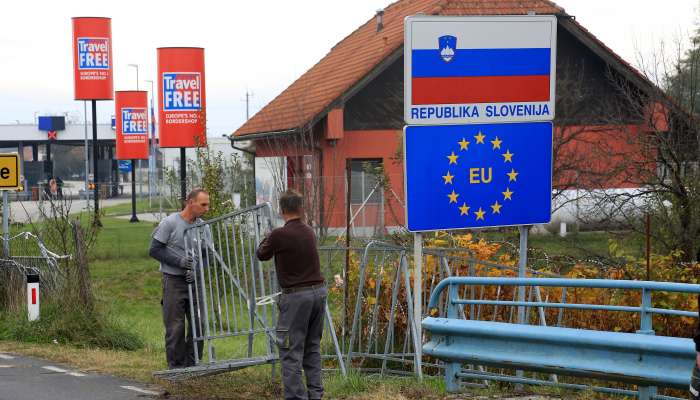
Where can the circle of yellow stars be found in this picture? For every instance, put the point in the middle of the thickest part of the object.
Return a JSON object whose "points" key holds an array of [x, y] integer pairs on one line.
{"points": [[496, 145]]}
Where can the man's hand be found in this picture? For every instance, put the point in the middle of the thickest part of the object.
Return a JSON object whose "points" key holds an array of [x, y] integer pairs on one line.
{"points": [[189, 276], [697, 359], [187, 262], [265, 250]]}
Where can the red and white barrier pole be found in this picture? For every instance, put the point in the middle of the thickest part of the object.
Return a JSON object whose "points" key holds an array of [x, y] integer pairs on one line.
{"points": [[33, 296]]}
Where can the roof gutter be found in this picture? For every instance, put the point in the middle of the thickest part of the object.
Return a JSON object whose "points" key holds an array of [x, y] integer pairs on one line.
{"points": [[262, 135]]}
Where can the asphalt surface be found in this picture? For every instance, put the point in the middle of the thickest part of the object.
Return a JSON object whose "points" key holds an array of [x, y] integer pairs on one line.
{"points": [[28, 378], [24, 211]]}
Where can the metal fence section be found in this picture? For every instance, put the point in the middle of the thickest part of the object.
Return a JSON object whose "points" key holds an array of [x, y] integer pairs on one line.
{"points": [[232, 299], [382, 334], [374, 307], [27, 254], [370, 318]]}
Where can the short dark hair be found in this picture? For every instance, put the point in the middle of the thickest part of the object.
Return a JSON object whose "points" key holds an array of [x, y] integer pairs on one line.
{"points": [[291, 202], [194, 193]]}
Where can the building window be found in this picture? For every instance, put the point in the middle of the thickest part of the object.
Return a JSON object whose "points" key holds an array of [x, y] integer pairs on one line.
{"points": [[364, 181]]}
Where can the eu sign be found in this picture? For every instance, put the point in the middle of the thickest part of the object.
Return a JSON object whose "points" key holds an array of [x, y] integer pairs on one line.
{"points": [[480, 175]]}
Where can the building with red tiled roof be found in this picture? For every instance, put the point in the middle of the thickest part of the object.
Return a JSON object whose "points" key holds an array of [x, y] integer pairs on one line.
{"points": [[343, 118]]}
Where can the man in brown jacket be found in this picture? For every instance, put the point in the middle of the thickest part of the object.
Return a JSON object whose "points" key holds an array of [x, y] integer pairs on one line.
{"points": [[302, 302]]}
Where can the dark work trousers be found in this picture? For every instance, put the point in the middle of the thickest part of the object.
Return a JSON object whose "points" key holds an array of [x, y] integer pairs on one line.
{"points": [[299, 329], [179, 350], [695, 384]]}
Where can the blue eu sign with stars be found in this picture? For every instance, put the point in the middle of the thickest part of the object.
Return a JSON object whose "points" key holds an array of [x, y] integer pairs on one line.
{"points": [[474, 176]]}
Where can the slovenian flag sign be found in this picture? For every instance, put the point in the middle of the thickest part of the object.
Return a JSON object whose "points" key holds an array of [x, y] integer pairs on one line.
{"points": [[480, 62]]}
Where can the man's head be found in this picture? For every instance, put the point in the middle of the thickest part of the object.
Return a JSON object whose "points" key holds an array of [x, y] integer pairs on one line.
{"points": [[291, 204], [197, 203]]}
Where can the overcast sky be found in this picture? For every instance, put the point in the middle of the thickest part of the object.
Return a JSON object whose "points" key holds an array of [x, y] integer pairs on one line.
{"points": [[249, 45]]}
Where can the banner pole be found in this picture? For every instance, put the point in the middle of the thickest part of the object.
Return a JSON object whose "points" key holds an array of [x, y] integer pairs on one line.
{"points": [[134, 218], [94, 163], [183, 175], [87, 159]]}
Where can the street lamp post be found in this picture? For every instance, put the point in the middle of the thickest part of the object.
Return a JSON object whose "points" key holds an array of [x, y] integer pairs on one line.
{"points": [[137, 74], [152, 150]]}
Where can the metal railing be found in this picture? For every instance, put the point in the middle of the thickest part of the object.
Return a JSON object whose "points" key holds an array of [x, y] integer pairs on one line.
{"points": [[27, 254], [445, 298]]}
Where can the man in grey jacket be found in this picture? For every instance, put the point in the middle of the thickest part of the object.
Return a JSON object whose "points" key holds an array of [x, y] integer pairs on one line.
{"points": [[168, 247]]}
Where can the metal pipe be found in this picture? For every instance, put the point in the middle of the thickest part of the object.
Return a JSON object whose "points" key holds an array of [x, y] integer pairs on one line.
{"points": [[559, 282]]}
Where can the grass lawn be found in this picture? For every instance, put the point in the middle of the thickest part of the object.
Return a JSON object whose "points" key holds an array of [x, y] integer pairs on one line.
{"points": [[142, 206], [128, 285]]}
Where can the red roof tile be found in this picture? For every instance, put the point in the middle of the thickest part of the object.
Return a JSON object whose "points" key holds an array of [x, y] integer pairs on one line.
{"points": [[356, 55]]}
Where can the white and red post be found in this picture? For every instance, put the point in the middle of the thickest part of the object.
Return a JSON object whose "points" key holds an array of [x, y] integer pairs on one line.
{"points": [[33, 297]]}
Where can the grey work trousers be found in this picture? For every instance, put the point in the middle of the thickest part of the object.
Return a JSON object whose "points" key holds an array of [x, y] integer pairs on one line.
{"points": [[299, 329], [179, 348]]}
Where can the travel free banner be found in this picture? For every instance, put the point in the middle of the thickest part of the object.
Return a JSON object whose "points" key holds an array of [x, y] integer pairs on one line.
{"points": [[132, 125], [181, 97]]}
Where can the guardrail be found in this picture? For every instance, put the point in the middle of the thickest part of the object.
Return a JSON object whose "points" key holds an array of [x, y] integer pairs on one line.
{"points": [[640, 358]]}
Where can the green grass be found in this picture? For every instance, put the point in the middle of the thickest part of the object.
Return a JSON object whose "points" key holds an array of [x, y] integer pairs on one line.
{"points": [[142, 206], [120, 240]]}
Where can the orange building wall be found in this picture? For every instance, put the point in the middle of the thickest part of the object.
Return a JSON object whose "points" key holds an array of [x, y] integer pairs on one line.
{"points": [[373, 144], [605, 157]]}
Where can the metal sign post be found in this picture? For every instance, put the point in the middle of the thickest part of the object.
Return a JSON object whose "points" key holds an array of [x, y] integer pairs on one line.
{"points": [[5, 225], [9, 180], [479, 96], [418, 299]]}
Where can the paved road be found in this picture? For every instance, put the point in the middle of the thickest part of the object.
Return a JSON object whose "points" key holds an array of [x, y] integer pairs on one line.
{"points": [[22, 211], [27, 378]]}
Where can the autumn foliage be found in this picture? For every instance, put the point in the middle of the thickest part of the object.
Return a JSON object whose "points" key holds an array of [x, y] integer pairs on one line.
{"points": [[467, 256]]}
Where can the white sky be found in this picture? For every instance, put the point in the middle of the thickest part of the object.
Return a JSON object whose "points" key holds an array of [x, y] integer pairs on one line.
{"points": [[249, 45]]}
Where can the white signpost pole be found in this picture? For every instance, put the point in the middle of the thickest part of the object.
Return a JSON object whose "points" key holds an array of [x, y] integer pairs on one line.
{"points": [[418, 299]]}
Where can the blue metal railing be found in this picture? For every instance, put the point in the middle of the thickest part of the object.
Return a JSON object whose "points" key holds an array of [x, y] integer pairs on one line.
{"points": [[645, 311]]}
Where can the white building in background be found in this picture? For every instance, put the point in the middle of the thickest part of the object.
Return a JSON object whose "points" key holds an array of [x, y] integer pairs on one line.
{"points": [[171, 156]]}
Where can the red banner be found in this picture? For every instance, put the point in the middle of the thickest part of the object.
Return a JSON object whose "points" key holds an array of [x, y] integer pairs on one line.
{"points": [[132, 124], [181, 97], [92, 58]]}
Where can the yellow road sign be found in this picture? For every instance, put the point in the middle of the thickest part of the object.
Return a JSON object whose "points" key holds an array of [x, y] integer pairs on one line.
{"points": [[9, 171]]}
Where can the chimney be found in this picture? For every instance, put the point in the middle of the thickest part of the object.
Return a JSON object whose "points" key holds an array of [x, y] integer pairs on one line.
{"points": [[380, 20]]}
